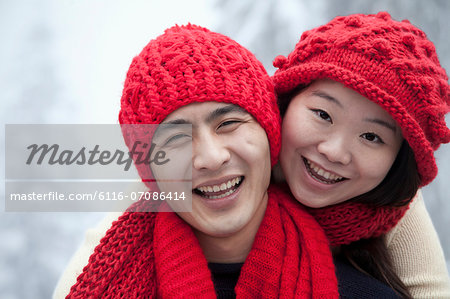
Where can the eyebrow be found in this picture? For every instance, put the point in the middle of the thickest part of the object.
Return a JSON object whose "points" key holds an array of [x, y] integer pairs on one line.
{"points": [[178, 121], [170, 125], [382, 123], [224, 110], [326, 96]]}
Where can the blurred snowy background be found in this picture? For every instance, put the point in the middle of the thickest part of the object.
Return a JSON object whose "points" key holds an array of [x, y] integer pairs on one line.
{"points": [[64, 61]]}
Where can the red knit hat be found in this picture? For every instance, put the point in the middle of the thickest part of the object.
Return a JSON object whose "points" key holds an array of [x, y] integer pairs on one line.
{"points": [[190, 64], [389, 62]]}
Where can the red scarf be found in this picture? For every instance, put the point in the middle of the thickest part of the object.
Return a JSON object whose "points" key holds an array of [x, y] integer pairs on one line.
{"points": [[147, 255], [348, 222]]}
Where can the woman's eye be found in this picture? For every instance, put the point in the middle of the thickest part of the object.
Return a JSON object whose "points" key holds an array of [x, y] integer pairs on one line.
{"points": [[322, 114], [372, 137]]}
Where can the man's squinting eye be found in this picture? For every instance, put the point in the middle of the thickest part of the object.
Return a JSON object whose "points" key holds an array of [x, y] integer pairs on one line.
{"points": [[228, 123], [372, 137], [322, 114], [177, 138]]}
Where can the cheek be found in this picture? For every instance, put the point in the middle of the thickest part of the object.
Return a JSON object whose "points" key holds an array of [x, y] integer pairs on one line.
{"points": [[253, 147], [296, 135], [177, 164], [253, 153], [295, 118], [289, 134], [379, 166], [289, 141]]}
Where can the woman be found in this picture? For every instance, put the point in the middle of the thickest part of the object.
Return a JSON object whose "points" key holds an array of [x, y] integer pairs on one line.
{"points": [[363, 99]]}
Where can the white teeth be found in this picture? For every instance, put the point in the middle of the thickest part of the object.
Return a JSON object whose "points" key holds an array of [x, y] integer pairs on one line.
{"points": [[221, 187], [223, 195], [322, 172]]}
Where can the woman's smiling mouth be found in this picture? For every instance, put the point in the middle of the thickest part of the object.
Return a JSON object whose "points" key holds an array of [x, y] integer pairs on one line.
{"points": [[320, 174]]}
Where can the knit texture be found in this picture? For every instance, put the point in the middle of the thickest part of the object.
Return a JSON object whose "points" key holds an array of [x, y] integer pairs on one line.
{"points": [[148, 255], [391, 63], [348, 222], [123, 261], [189, 64]]}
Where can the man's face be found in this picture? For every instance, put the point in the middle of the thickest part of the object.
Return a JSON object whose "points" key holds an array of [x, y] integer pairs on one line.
{"points": [[230, 166]]}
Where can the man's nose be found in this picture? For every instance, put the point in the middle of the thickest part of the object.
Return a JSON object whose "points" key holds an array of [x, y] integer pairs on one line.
{"points": [[209, 152]]}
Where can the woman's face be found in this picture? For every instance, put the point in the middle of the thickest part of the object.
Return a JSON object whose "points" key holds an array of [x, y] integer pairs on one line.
{"points": [[336, 144]]}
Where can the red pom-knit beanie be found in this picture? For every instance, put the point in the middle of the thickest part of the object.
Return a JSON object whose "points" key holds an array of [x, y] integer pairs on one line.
{"points": [[190, 64], [391, 63]]}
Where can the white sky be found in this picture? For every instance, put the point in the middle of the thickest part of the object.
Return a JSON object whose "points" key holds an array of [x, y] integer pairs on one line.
{"points": [[87, 45]]}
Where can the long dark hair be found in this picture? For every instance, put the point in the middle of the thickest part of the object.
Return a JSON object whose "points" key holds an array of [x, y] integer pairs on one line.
{"points": [[397, 189]]}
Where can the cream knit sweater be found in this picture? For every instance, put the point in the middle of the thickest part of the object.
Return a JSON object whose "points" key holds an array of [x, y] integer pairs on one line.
{"points": [[413, 245], [417, 255]]}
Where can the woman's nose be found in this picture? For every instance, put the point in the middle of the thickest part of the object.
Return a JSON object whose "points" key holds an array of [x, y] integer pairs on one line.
{"points": [[337, 149]]}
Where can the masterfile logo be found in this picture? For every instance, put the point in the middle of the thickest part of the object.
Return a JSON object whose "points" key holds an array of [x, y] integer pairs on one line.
{"points": [[93, 167]]}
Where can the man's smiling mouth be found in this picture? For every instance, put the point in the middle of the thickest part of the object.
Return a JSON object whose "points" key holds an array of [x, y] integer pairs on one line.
{"points": [[219, 191]]}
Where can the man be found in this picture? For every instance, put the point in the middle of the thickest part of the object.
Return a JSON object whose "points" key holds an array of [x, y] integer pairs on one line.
{"points": [[242, 238]]}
